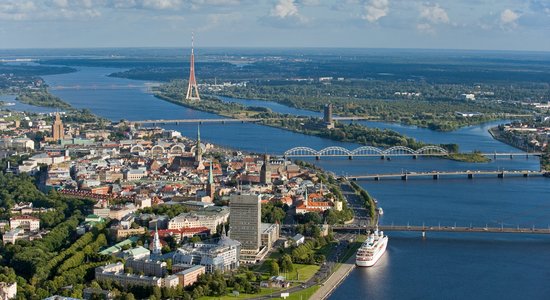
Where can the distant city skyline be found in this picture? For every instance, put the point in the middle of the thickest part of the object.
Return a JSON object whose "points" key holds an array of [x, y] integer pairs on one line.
{"points": [[443, 24]]}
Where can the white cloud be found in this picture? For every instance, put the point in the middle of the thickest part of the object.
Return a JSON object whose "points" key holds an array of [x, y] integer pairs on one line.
{"points": [[161, 4], [284, 9], [146, 4], [16, 10], [49, 10], [376, 9], [434, 14], [509, 18]]}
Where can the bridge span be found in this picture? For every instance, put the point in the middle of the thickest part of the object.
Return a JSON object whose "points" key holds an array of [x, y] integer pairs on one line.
{"points": [[437, 174], [370, 151], [424, 229], [194, 121]]}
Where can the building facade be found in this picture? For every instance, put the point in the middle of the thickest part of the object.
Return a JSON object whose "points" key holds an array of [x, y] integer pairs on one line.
{"points": [[209, 218], [222, 255], [27, 223], [246, 212], [189, 276]]}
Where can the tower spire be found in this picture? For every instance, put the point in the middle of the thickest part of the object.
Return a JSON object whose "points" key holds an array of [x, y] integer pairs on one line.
{"points": [[192, 88], [210, 174], [157, 248], [198, 148]]}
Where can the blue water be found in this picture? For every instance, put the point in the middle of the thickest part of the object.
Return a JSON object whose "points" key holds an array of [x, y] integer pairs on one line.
{"points": [[444, 266]]}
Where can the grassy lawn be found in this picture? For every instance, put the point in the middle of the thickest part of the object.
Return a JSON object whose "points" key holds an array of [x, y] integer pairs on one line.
{"points": [[229, 296], [303, 294], [301, 272]]}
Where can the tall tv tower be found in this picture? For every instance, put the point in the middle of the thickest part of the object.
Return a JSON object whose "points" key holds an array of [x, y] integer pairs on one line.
{"points": [[192, 88]]}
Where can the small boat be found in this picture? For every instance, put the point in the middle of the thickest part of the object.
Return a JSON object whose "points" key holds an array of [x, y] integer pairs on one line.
{"points": [[380, 211]]}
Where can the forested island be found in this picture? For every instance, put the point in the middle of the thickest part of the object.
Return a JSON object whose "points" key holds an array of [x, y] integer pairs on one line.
{"points": [[42, 97], [344, 132], [434, 108]]}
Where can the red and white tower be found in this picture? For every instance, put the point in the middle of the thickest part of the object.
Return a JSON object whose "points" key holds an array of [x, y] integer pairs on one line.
{"points": [[192, 88]]}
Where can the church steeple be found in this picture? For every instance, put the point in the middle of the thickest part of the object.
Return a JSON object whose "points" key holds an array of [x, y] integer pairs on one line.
{"points": [[198, 148], [157, 248], [210, 175], [265, 171], [210, 185]]}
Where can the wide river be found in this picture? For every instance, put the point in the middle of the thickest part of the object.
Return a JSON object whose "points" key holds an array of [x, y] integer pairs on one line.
{"points": [[443, 266]]}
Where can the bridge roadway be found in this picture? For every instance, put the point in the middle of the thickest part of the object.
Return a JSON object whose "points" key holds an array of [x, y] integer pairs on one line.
{"points": [[424, 229], [437, 174], [229, 120], [199, 121]]}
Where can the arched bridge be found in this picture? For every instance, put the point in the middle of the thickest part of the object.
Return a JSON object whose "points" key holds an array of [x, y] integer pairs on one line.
{"points": [[366, 151]]}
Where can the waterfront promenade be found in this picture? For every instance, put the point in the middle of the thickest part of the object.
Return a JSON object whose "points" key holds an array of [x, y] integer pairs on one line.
{"points": [[335, 279]]}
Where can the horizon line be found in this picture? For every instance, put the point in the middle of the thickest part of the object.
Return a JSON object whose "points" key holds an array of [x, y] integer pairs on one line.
{"points": [[276, 48]]}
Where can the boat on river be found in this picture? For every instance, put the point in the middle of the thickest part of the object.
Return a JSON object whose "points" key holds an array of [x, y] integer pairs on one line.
{"points": [[372, 249]]}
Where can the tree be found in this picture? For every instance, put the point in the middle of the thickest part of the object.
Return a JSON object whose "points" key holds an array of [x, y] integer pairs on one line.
{"points": [[273, 268], [129, 296], [157, 292], [286, 263], [313, 217]]}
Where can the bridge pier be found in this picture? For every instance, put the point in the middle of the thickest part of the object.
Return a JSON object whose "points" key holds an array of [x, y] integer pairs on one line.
{"points": [[382, 157], [500, 175], [470, 176], [377, 178], [436, 176], [404, 177], [423, 234], [415, 156], [223, 122], [525, 174], [350, 157], [317, 157]]}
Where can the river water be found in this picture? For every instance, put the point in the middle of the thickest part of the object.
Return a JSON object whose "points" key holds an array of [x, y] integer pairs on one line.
{"points": [[444, 266]]}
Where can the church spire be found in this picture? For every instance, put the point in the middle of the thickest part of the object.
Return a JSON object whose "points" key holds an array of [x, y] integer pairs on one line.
{"points": [[157, 249], [210, 175], [198, 148]]}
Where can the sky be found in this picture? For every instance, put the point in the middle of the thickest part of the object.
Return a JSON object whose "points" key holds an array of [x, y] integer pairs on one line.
{"points": [[442, 24]]}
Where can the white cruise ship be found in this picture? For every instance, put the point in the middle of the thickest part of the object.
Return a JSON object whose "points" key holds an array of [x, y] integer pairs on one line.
{"points": [[372, 249]]}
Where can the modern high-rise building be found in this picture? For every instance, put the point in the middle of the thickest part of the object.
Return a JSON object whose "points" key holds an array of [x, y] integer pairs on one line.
{"points": [[57, 129], [245, 221]]}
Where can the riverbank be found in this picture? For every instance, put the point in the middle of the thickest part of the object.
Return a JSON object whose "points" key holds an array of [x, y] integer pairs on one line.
{"points": [[328, 287]]}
